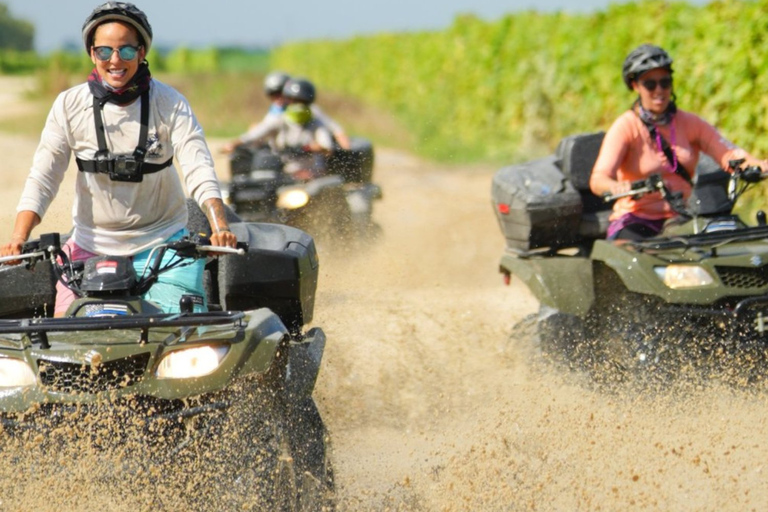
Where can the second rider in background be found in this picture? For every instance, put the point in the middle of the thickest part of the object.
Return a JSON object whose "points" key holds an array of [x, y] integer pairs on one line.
{"points": [[274, 83], [302, 140]]}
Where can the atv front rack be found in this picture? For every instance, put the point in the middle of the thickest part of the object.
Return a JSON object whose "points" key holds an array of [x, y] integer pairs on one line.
{"points": [[38, 327], [700, 240]]}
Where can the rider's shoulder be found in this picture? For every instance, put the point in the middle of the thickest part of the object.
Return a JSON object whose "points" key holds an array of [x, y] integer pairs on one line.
{"points": [[74, 99], [161, 90]]}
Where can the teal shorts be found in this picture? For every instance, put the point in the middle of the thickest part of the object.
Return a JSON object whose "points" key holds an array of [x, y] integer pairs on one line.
{"points": [[171, 285]]}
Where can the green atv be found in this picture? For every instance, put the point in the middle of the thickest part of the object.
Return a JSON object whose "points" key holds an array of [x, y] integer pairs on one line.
{"points": [[217, 405], [695, 295]]}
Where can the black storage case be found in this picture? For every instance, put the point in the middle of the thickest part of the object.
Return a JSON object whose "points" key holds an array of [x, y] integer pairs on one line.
{"points": [[279, 272], [355, 164], [536, 206]]}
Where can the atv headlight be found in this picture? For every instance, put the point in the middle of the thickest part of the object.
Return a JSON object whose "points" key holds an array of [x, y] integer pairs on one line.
{"points": [[191, 362], [292, 199], [684, 276], [15, 373]]}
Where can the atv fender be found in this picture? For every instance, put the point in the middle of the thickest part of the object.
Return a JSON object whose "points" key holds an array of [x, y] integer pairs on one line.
{"points": [[304, 358], [636, 271], [560, 282]]}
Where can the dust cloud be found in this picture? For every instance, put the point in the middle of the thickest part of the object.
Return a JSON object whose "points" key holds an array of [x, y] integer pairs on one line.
{"points": [[431, 406]]}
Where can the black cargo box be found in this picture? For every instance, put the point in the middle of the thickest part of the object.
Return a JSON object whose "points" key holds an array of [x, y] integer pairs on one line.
{"points": [[536, 206], [355, 164], [279, 272]]}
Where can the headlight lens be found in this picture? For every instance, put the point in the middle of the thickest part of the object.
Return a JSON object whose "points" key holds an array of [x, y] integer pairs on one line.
{"points": [[15, 373], [191, 362], [684, 276], [292, 199]]}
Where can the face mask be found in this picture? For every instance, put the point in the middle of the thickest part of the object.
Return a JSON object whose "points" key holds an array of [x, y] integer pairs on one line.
{"points": [[298, 113]]}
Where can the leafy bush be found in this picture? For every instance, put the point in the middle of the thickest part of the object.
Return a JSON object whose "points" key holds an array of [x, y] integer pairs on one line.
{"points": [[512, 88]]}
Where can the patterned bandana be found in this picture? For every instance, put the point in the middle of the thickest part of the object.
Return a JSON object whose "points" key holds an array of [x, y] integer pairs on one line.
{"points": [[649, 117], [138, 84]]}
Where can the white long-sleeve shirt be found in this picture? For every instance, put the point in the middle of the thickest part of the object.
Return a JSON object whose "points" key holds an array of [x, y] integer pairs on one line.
{"points": [[281, 134], [121, 218]]}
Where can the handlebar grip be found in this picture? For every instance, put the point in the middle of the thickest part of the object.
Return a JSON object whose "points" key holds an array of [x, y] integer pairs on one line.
{"points": [[752, 174]]}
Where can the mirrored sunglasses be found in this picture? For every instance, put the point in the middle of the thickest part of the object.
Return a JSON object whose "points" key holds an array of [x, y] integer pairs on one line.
{"points": [[126, 52], [651, 84]]}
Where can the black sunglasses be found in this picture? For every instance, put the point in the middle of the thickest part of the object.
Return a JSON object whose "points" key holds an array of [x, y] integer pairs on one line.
{"points": [[651, 84], [126, 52]]}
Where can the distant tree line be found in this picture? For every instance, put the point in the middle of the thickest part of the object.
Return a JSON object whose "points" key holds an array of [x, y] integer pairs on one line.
{"points": [[509, 90], [15, 34]]}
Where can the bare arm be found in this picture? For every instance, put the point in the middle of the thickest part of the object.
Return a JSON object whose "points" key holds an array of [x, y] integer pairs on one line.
{"points": [[604, 173], [217, 218]]}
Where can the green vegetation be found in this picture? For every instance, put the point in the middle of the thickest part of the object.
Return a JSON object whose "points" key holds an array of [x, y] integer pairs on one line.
{"points": [[16, 37], [15, 34], [509, 89]]}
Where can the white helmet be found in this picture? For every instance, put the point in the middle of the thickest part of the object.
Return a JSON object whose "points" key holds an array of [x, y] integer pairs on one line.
{"points": [[118, 11]]}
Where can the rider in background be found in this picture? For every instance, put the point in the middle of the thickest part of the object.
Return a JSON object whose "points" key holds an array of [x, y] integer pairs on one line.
{"points": [[303, 142], [274, 83], [125, 129], [654, 137]]}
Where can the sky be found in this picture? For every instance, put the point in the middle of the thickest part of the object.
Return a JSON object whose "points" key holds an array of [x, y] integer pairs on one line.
{"points": [[259, 23]]}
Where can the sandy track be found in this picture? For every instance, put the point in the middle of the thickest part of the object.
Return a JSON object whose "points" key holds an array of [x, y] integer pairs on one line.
{"points": [[431, 408]]}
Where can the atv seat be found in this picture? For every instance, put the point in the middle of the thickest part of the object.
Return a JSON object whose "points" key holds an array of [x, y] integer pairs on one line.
{"points": [[576, 156]]}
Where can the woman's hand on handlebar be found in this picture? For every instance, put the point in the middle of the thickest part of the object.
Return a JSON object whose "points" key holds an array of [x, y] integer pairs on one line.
{"points": [[12, 248], [224, 238], [620, 187]]}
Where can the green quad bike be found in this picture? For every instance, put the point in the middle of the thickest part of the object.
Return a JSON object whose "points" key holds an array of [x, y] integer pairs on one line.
{"points": [[215, 408], [695, 296]]}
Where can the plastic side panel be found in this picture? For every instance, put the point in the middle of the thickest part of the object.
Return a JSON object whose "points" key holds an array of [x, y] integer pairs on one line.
{"points": [[563, 283], [279, 272], [636, 271], [355, 164]]}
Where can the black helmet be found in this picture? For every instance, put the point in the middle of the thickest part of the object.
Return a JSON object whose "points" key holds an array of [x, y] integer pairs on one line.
{"points": [[299, 89], [118, 11], [644, 58], [274, 82]]}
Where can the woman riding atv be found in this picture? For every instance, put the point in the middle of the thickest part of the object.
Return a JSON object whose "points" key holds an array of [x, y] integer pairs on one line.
{"points": [[654, 137], [125, 129], [302, 141]]}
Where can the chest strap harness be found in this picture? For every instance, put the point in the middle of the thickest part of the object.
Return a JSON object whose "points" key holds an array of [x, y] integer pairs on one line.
{"points": [[130, 168]]}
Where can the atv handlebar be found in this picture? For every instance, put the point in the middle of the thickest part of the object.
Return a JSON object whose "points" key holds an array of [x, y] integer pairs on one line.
{"points": [[653, 183], [739, 173], [748, 174], [186, 247]]}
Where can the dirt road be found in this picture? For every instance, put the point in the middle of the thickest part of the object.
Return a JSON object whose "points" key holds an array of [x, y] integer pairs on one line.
{"points": [[429, 406]]}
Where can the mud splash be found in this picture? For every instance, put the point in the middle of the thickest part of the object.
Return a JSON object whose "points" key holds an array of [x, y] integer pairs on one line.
{"points": [[432, 407]]}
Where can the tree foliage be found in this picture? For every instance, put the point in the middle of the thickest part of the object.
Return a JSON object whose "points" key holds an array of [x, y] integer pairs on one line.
{"points": [[512, 88], [15, 34]]}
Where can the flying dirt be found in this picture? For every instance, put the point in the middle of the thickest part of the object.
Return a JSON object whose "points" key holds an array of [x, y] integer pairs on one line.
{"points": [[433, 402]]}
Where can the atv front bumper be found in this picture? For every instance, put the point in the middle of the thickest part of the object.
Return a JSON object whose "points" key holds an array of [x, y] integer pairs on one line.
{"points": [[70, 367]]}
